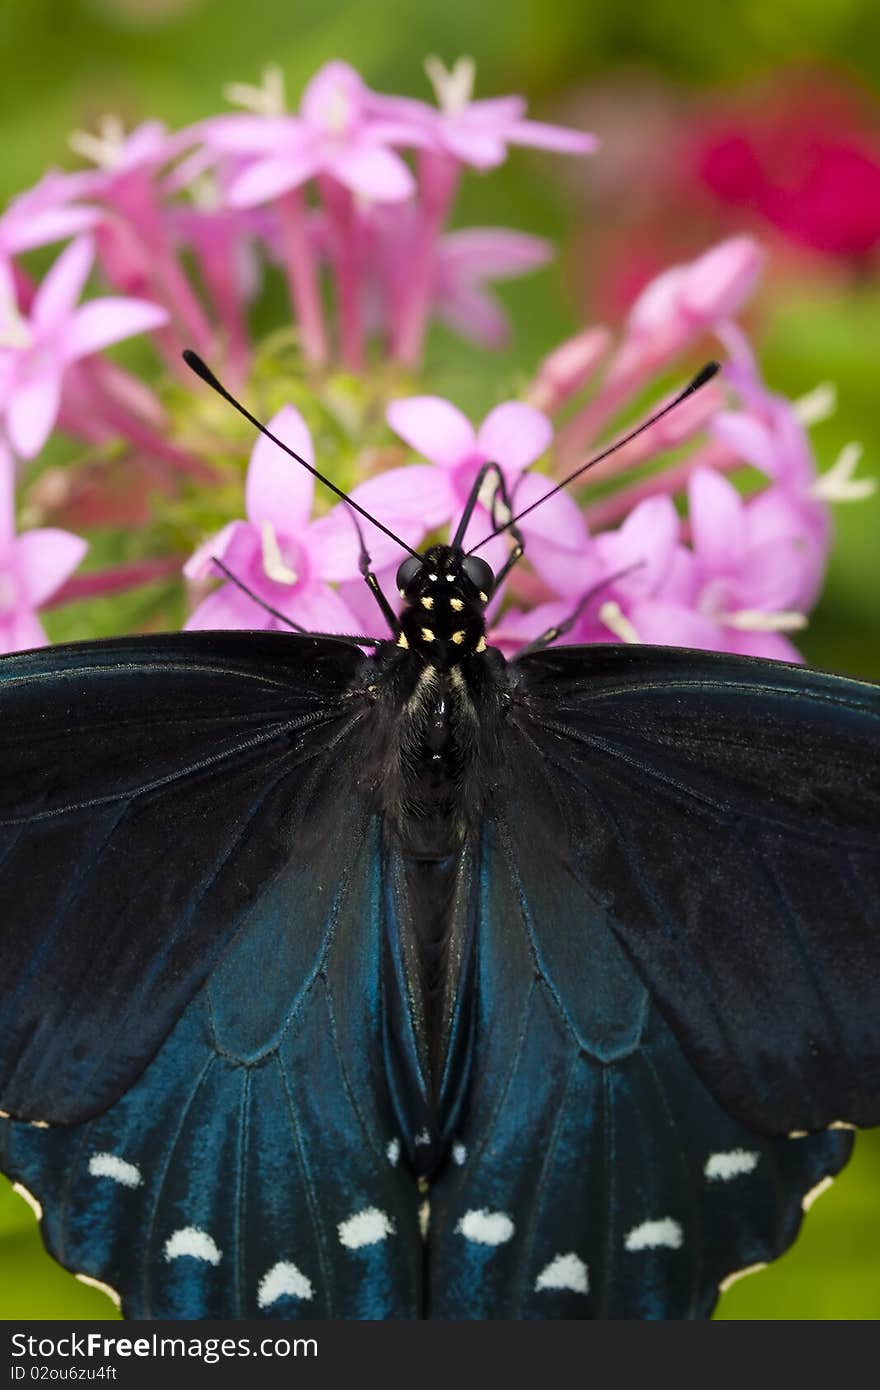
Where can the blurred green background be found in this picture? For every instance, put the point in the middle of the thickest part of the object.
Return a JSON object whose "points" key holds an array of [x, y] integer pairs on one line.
{"points": [[67, 63]]}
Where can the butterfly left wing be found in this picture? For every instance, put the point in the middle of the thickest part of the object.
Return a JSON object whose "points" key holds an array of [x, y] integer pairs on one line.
{"points": [[193, 940]]}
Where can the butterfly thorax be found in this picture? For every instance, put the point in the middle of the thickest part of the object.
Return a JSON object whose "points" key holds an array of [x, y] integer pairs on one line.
{"points": [[442, 619], [439, 696]]}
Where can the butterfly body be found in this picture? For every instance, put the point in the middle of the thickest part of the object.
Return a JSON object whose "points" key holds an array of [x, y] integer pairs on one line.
{"points": [[426, 985]]}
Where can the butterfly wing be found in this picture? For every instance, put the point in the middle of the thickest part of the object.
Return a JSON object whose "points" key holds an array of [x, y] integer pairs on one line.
{"points": [[677, 964], [723, 815], [193, 943]]}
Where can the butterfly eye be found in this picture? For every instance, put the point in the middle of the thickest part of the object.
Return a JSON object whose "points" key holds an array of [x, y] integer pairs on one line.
{"points": [[479, 573], [408, 571]]}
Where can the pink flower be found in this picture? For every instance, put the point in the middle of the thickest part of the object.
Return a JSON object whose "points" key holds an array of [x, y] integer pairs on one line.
{"points": [[37, 351], [32, 567], [751, 586], [465, 262], [687, 301], [336, 133], [479, 132], [513, 435], [283, 556], [45, 213]]}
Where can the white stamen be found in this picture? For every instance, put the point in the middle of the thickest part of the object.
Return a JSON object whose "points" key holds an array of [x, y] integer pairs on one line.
{"points": [[193, 1242], [265, 100], [612, 615], [817, 405], [273, 561], [740, 1274], [282, 1280], [15, 331], [453, 87], [754, 620], [838, 483], [392, 1152], [366, 1227], [815, 1193], [35, 1206], [101, 1287], [486, 1227], [564, 1272], [104, 1165], [650, 1235], [104, 149], [722, 1167]]}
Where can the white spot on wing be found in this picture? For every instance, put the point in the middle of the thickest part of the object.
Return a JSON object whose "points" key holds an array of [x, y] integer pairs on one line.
{"points": [[366, 1227], [735, 1163], [815, 1193], [101, 1287], [653, 1234], [104, 1165], [283, 1280], [564, 1272], [392, 1152], [189, 1240], [486, 1227], [740, 1274], [459, 1154], [35, 1206]]}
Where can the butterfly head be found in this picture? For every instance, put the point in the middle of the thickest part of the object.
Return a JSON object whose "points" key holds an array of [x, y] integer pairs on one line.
{"points": [[445, 593]]}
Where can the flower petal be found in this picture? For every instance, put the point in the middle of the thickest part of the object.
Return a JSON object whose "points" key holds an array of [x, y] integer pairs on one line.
{"points": [[266, 179], [7, 498], [748, 438], [372, 172], [318, 608], [32, 411], [514, 434], [61, 288], [21, 631], [237, 545], [44, 559], [434, 428], [542, 136], [718, 523], [278, 489], [104, 321], [229, 608]]}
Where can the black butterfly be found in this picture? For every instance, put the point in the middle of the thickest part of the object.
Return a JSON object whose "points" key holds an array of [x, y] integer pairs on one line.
{"points": [[422, 984]]}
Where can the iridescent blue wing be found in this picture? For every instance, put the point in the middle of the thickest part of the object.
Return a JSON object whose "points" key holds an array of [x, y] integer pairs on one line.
{"points": [[192, 956], [677, 963]]}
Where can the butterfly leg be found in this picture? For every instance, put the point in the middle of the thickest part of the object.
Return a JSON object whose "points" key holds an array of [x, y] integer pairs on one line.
{"points": [[553, 634], [282, 617]]}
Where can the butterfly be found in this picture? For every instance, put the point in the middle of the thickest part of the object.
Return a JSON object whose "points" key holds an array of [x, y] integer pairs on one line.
{"points": [[417, 983]]}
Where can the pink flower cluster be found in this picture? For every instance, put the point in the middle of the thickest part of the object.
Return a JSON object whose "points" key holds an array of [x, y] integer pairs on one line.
{"points": [[351, 196]]}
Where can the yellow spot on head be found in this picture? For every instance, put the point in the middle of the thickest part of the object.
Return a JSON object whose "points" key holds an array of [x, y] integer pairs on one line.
{"points": [[481, 645], [458, 638], [402, 642], [427, 635], [427, 603], [433, 578], [484, 598], [456, 605]]}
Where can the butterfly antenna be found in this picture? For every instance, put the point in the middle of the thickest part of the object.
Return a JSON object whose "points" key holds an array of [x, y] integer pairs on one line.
{"points": [[201, 369], [704, 375]]}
